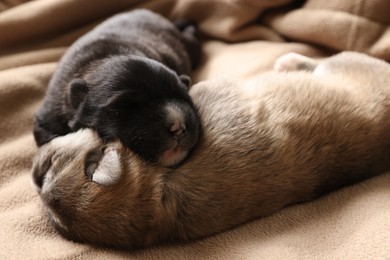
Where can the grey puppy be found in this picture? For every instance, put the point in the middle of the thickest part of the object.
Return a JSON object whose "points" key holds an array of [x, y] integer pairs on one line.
{"points": [[127, 79], [282, 139]]}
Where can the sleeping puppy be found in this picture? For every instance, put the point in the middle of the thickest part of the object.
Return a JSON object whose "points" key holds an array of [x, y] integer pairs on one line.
{"points": [[127, 79], [282, 139]]}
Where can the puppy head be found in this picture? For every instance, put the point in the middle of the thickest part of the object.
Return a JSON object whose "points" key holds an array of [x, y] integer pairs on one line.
{"points": [[141, 102], [91, 191]]}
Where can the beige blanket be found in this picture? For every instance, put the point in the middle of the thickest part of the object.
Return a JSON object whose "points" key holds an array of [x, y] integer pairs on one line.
{"points": [[241, 38]]}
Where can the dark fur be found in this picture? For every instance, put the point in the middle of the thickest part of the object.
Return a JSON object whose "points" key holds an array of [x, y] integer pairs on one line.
{"points": [[118, 78]]}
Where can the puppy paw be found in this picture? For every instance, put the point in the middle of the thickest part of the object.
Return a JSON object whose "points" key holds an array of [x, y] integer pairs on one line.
{"points": [[186, 26], [293, 61]]}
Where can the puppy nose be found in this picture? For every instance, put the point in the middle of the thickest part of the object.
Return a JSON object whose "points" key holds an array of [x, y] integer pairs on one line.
{"points": [[178, 129]]}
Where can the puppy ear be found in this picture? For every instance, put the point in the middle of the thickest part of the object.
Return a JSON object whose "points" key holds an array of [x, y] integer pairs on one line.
{"points": [[78, 89], [185, 80], [103, 167]]}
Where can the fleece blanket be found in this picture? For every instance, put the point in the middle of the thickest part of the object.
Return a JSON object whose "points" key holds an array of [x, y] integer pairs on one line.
{"points": [[241, 38]]}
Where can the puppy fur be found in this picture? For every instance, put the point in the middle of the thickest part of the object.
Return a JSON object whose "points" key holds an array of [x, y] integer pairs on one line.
{"points": [[283, 138], [122, 79]]}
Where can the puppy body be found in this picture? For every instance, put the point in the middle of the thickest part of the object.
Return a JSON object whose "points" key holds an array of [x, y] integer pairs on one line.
{"points": [[120, 79], [280, 139]]}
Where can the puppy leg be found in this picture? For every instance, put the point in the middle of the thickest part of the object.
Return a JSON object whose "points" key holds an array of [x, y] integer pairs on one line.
{"points": [[190, 34], [293, 61], [366, 72]]}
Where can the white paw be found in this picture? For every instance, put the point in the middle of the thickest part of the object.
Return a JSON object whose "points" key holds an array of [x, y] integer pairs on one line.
{"points": [[109, 170], [293, 61]]}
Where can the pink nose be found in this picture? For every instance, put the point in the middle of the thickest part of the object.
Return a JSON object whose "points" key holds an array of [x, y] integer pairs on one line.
{"points": [[178, 129]]}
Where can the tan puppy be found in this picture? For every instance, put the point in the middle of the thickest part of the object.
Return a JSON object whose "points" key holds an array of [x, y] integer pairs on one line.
{"points": [[281, 139]]}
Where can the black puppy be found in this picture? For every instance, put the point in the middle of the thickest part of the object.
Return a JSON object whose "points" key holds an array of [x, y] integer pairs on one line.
{"points": [[127, 79]]}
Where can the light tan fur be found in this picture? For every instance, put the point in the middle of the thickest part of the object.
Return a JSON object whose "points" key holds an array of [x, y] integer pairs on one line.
{"points": [[279, 139]]}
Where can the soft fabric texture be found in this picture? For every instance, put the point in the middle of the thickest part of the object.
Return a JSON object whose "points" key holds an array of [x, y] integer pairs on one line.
{"points": [[241, 38]]}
